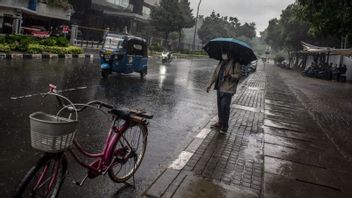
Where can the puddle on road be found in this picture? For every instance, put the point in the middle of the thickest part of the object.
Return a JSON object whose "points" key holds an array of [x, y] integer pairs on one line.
{"points": [[253, 150], [194, 187], [282, 125]]}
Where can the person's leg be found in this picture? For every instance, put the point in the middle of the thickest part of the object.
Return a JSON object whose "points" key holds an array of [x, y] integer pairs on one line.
{"points": [[226, 102], [218, 124], [219, 106]]}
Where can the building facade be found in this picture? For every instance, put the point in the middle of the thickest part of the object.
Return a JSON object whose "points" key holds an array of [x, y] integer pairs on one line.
{"points": [[117, 15], [16, 14]]}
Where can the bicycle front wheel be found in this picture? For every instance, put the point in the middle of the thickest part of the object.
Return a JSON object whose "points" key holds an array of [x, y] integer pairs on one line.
{"points": [[45, 178], [128, 154]]}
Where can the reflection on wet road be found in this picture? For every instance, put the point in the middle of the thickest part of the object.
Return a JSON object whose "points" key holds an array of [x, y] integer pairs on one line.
{"points": [[173, 93]]}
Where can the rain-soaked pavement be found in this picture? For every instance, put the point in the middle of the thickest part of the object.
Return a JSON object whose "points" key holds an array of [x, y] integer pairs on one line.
{"points": [[290, 135], [276, 145], [307, 136], [173, 93]]}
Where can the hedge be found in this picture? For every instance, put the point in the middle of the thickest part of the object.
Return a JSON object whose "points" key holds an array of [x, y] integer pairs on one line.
{"points": [[5, 48], [29, 44], [37, 49]]}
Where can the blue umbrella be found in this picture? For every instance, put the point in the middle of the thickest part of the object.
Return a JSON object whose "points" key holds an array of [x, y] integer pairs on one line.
{"points": [[239, 50]]}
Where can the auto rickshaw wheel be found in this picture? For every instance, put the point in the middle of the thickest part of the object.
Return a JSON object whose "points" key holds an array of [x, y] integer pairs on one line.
{"points": [[105, 73], [142, 75]]}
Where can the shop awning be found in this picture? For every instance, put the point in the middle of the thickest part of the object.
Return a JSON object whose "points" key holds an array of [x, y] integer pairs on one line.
{"points": [[312, 49]]}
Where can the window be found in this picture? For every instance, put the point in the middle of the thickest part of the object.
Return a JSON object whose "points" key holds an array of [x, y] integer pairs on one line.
{"points": [[122, 3], [146, 11], [137, 47]]}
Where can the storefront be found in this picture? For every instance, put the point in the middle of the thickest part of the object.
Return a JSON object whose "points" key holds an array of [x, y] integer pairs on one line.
{"points": [[15, 16]]}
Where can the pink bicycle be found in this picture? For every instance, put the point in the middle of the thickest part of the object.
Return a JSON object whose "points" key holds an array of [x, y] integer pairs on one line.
{"points": [[121, 156]]}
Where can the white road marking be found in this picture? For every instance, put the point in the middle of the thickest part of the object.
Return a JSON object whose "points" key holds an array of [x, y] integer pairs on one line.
{"points": [[203, 133], [194, 145], [181, 160]]}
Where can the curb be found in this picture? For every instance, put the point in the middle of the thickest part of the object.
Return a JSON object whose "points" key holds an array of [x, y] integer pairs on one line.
{"points": [[44, 56]]}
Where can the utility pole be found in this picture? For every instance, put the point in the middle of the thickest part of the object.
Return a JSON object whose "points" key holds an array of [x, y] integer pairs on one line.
{"points": [[196, 26]]}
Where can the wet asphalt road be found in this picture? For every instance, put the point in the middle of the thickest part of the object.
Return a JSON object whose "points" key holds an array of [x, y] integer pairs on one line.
{"points": [[173, 93]]}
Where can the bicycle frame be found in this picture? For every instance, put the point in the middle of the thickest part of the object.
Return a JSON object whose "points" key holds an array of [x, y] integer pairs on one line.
{"points": [[104, 159]]}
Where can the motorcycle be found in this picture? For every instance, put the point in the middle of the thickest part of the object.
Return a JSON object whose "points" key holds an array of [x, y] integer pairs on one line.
{"points": [[166, 57]]}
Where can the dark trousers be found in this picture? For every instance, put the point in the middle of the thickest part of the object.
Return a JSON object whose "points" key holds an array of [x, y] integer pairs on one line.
{"points": [[224, 102]]}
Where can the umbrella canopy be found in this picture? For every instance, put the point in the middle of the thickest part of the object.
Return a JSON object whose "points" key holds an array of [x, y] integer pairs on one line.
{"points": [[237, 48]]}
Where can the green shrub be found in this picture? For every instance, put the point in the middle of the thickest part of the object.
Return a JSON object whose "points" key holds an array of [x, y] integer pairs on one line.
{"points": [[35, 49], [63, 50], [54, 50], [34, 45], [2, 39], [12, 46], [49, 41], [5, 48], [62, 41], [74, 50]]}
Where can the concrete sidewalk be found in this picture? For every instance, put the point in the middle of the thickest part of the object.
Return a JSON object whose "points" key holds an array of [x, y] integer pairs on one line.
{"points": [[274, 148], [215, 165]]}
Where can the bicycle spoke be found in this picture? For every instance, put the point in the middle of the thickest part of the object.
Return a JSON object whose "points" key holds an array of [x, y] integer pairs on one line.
{"points": [[131, 139]]}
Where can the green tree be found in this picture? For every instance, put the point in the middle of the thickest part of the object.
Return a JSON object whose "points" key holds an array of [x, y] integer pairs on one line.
{"points": [[288, 31], [186, 19], [216, 26], [327, 17], [172, 16], [247, 30], [166, 17]]}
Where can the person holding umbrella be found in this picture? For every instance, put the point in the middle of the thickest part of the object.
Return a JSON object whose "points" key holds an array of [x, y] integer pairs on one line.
{"points": [[225, 77], [231, 53]]}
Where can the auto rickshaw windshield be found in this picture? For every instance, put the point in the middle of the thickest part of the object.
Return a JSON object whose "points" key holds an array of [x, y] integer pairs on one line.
{"points": [[113, 43]]}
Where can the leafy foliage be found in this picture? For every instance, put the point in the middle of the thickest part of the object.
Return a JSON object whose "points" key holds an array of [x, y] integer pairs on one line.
{"points": [[172, 16], [37, 49], [5, 48], [55, 41], [288, 31], [187, 19], [327, 17], [246, 30], [34, 45], [216, 25]]}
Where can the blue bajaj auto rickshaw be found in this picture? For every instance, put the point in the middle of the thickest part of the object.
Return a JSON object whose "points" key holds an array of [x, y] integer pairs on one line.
{"points": [[123, 54]]}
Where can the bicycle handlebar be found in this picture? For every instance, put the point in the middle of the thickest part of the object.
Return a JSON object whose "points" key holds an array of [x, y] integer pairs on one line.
{"points": [[134, 115]]}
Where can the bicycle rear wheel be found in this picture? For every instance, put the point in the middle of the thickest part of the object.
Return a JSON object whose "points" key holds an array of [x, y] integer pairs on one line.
{"points": [[45, 178], [128, 154]]}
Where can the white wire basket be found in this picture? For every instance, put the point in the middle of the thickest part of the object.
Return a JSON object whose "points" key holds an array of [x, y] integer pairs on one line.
{"points": [[52, 133]]}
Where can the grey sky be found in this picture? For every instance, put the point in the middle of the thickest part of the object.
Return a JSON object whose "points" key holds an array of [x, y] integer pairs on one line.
{"points": [[257, 11]]}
